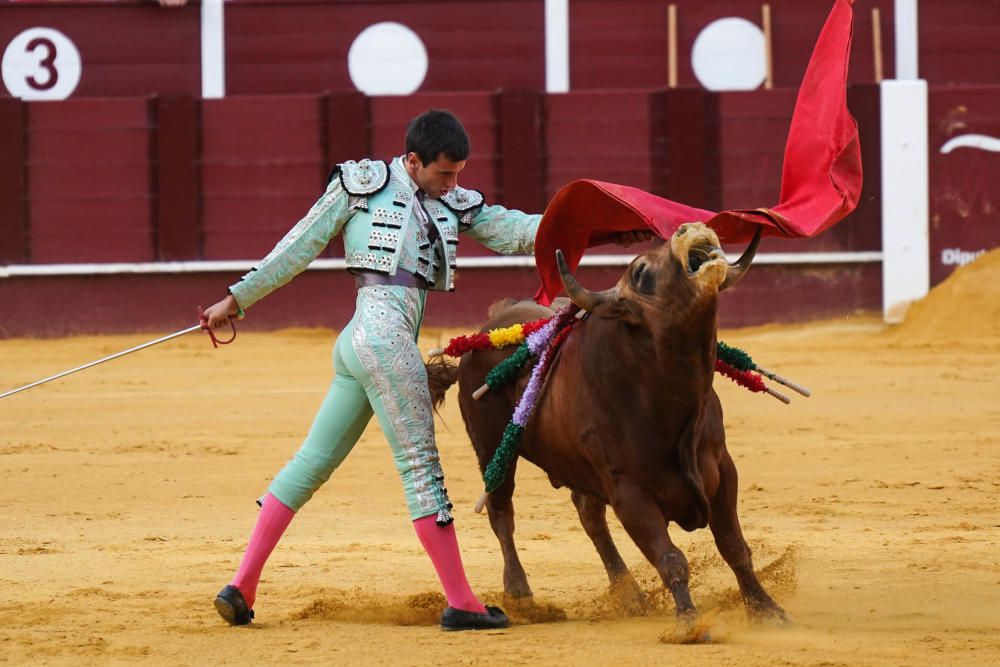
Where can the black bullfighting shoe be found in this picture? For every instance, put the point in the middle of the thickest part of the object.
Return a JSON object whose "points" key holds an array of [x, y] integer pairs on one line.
{"points": [[458, 619], [232, 607]]}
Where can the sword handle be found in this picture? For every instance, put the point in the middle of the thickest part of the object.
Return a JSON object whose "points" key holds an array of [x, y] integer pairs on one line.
{"points": [[211, 334]]}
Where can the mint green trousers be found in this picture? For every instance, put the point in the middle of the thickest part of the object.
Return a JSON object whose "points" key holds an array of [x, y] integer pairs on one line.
{"points": [[378, 370]]}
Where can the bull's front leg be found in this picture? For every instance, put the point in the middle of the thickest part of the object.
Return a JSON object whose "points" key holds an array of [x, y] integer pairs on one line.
{"points": [[645, 524], [500, 507], [624, 591], [729, 539]]}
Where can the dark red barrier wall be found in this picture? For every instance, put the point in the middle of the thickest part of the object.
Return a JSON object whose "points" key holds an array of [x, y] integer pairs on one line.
{"points": [[293, 47], [159, 303], [168, 178], [964, 206], [262, 165], [600, 135], [624, 44], [13, 182], [129, 47], [133, 47], [137, 180], [958, 42], [89, 177], [176, 178]]}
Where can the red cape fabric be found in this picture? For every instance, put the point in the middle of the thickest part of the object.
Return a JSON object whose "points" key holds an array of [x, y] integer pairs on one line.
{"points": [[820, 178]]}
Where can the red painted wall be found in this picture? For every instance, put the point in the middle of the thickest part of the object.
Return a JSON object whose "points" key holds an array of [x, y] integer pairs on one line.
{"points": [[131, 179], [964, 204], [127, 48], [136, 179], [262, 166], [959, 42], [600, 135], [326, 298], [134, 47], [294, 47], [88, 173], [624, 44]]}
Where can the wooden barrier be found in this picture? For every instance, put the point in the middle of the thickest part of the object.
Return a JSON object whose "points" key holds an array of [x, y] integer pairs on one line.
{"points": [[133, 47], [175, 178], [13, 182]]}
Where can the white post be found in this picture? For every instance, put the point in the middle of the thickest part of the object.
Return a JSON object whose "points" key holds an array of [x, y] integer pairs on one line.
{"points": [[905, 191], [905, 243], [557, 46], [906, 38], [213, 50]]}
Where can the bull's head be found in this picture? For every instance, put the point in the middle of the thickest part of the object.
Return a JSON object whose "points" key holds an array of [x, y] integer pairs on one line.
{"points": [[690, 267]]}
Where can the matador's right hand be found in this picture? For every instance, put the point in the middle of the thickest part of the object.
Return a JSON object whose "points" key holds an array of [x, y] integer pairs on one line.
{"points": [[218, 314]]}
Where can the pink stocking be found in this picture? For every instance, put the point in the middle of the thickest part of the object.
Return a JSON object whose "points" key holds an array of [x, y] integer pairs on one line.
{"points": [[272, 521], [441, 545]]}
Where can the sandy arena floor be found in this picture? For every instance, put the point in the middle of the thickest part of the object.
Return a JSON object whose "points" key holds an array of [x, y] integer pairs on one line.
{"points": [[872, 508]]}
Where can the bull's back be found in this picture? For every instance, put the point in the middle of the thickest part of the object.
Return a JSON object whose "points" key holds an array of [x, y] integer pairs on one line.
{"points": [[486, 418]]}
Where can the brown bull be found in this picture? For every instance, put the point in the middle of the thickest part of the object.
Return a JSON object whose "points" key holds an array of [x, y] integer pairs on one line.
{"points": [[628, 418]]}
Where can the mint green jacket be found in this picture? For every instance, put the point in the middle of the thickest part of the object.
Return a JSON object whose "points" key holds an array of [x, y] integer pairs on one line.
{"points": [[374, 205]]}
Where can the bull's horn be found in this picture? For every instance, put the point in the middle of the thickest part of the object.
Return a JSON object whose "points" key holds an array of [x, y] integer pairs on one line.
{"points": [[578, 294], [738, 268]]}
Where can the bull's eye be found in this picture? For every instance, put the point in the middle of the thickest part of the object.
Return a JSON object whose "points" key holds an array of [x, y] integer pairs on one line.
{"points": [[642, 280]]}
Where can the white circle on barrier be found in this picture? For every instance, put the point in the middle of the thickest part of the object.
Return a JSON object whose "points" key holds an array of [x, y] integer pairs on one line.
{"points": [[387, 58], [729, 55], [41, 64]]}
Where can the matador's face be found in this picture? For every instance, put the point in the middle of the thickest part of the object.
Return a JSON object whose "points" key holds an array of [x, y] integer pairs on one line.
{"points": [[436, 178]]}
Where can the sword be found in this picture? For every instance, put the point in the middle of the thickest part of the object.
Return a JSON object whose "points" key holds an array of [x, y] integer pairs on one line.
{"points": [[202, 326]]}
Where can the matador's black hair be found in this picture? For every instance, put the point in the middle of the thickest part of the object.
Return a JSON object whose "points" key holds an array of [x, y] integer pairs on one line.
{"points": [[437, 132]]}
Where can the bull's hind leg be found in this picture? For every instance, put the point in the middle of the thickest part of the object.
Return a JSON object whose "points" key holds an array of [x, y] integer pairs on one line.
{"points": [[624, 591], [500, 506], [728, 535]]}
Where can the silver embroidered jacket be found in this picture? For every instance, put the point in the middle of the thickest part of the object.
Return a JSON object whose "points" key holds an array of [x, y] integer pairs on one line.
{"points": [[375, 206]]}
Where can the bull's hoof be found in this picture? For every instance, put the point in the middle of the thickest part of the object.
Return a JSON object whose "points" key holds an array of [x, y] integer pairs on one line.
{"points": [[778, 619], [690, 628], [769, 614]]}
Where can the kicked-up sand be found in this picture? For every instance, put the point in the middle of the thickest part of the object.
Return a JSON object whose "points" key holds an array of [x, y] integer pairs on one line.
{"points": [[873, 509]]}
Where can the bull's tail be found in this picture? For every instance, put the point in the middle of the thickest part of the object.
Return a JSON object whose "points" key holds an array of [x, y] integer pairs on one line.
{"points": [[441, 374]]}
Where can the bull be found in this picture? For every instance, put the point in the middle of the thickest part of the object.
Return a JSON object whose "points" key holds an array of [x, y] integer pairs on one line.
{"points": [[628, 418]]}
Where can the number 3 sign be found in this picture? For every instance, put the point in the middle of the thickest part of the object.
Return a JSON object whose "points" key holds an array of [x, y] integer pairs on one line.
{"points": [[41, 64]]}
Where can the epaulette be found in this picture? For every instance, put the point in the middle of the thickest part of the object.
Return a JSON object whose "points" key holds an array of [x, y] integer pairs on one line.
{"points": [[462, 201], [364, 178]]}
